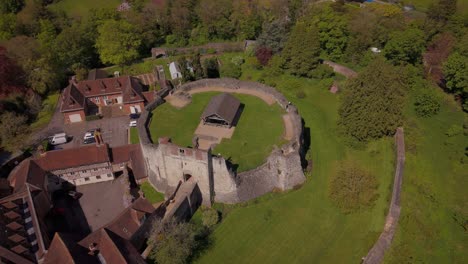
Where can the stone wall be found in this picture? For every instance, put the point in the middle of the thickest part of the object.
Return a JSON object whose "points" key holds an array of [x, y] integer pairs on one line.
{"points": [[167, 163]]}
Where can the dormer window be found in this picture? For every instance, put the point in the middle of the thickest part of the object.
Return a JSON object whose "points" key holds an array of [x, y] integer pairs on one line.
{"points": [[72, 102], [103, 85], [88, 88], [117, 84], [133, 95]]}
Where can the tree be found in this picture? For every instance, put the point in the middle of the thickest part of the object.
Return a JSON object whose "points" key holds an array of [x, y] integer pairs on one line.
{"points": [[442, 10], [12, 125], [173, 242], [118, 42], [211, 67], [372, 103], [456, 73], [214, 16], [302, 50], [11, 76], [405, 46], [246, 19], [353, 188], [426, 104], [333, 31], [263, 55], [274, 35], [197, 67], [11, 6], [7, 26]]}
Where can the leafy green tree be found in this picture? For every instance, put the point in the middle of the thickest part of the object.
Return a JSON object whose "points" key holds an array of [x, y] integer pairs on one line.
{"points": [[302, 50], [12, 126], [405, 46], [246, 19], [11, 6], [118, 42], [7, 26], [214, 16], [353, 188], [333, 31], [173, 242], [426, 104], [372, 103], [442, 10], [456, 73], [274, 35], [46, 37]]}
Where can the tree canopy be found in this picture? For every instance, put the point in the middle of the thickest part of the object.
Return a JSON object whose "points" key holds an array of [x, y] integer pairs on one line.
{"points": [[118, 42], [406, 46], [372, 103]]}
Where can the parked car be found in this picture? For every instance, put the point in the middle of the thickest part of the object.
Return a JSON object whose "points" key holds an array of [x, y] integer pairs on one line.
{"points": [[89, 140], [88, 137], [58, 139], [133, 123]]}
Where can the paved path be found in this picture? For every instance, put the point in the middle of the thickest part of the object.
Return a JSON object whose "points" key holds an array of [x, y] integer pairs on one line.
{"points": [[377, 252], [341, 69]]}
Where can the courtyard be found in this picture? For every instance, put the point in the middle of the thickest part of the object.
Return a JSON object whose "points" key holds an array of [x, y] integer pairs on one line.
{"points": [[249, 144]]}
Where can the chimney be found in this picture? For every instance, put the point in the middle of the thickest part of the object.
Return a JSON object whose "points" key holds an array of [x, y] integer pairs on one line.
{"points": [[103, 85], [93, 250], [98, 137]]}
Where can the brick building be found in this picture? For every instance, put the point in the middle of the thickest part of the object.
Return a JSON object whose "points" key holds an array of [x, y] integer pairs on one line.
{"points": [[87, 97]]}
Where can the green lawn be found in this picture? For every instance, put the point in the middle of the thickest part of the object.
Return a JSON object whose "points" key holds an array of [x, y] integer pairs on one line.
{"points": [[48, 109], [134, 139], [151, 194], [81, 8], [250, 144], [303, 226], [432, 227]]}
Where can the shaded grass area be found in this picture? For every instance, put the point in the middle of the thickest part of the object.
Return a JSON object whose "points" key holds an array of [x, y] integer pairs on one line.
{"points": [[48, 109], [81, 8], [303, 226], [260, 127], [151, 194], [433, 222], [134, 138]]}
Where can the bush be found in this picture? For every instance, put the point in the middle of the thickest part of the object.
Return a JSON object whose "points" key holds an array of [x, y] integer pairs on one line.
{"points": [[93, 117], [231, 70], [322, 71], [301, 94], [426, 104], [353, 188], [238, 60], [210, 217]]}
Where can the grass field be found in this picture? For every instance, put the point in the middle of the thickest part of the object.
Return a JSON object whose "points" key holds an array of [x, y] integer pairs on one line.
{"points": [[151, 194], [432, 227], [303, 226], [81, 8], [250, 144], [134, 139]]}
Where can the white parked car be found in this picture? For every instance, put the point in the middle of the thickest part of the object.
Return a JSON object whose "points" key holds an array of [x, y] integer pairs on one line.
{"points": [[133, 123], [58, 139]]}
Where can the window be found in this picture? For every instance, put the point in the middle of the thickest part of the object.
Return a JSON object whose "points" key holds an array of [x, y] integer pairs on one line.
{"points": [[181, 151], [83, 171], [86, 179], [109, 175], [72, 173], [97, 100], [105, 97], [95, 169], [98, 177]]}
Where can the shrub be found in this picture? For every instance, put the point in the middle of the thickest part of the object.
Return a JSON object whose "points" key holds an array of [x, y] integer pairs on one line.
{"points": [[231, 70], [93, 117], [353, 188], [263, 55], [322, 71], [238, 60], [426, 104], [301, 94], [210, 217]]}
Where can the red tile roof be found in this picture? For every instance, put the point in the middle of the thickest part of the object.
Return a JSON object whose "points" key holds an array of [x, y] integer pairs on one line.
{"points": [[74, 95], [64, 248], [69, 158], [133, 154]]}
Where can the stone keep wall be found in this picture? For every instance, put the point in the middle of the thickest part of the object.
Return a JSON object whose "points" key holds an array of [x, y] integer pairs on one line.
{"points": [[166, 164]]}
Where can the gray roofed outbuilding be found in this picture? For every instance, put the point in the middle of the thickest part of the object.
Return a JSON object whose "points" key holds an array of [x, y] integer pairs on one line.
{"points": [[223, 107]]}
